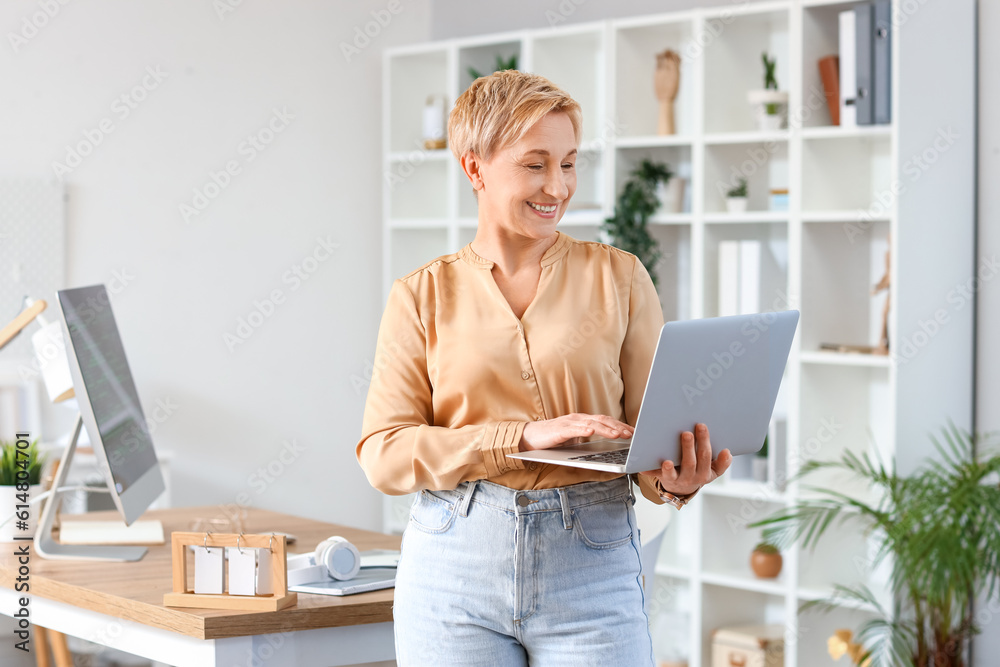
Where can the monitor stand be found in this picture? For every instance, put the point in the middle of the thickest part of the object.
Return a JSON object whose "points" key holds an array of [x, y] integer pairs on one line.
{"points": [[47, 547]]}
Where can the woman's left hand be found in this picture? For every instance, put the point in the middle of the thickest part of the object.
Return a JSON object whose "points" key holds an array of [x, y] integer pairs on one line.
{"points": [[696, 469]]}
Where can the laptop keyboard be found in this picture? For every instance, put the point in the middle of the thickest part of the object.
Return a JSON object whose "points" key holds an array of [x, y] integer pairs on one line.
{"points": [[617, 457]]}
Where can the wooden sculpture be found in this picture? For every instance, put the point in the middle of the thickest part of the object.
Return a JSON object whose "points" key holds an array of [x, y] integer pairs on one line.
{"points": [[666, 81]]}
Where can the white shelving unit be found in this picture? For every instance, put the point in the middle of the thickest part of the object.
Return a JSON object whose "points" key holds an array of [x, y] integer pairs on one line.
{"points": [[822, 255]]}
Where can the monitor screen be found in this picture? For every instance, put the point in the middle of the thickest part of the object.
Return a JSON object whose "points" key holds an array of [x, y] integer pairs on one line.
{"points": [[108, 399]]}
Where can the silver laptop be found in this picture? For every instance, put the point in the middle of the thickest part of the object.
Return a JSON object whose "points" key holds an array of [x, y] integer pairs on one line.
{"points": [[720, 371]]}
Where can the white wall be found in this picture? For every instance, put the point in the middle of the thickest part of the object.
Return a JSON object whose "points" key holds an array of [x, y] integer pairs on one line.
{"points": [[188, 283]]}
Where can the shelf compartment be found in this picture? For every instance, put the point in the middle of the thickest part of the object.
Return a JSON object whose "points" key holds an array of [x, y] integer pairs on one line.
{"points": [[417, 247], [590, 170], [843, 556], [842, 408], [816, 626], [674, 270], [412, 78], [850, 173], [820, 38], [575, 63], [418, 190], [773, 279], [763, 164], [678, 547], [670, 617], [725, 520], [677, 157], [840, 265], [483, 56], [723, 607], [733, 65], [636, 105]]}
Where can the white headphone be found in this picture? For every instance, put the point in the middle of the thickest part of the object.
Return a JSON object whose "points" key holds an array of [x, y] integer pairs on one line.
{"points": [[334, 558]]}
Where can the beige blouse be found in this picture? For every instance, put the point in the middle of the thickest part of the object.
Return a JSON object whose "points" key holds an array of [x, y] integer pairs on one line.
{"points": [[457, 375]]}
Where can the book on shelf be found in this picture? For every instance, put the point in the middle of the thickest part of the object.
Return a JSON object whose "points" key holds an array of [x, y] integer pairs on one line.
{"points": [[829, 74], [739, 277]]}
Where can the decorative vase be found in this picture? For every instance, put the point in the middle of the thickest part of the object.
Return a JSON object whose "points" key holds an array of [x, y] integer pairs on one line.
{"points": [[770, 109], [765, 565], [671, 195], [435, 123], [8, 505], [736, 204]]}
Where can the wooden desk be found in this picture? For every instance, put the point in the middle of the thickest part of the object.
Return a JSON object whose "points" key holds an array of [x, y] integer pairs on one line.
{"points": [[121, 604]]}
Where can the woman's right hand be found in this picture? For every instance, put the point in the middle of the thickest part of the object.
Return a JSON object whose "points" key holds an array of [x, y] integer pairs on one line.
{"points": [[561, 430]]}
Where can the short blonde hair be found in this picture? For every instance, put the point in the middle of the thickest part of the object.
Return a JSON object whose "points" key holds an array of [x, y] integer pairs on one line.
{"points": [[497, 110]]}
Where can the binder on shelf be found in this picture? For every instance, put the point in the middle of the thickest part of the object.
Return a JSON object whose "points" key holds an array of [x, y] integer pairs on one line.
{"points": [[829, 74], [848, 69], [864, 27], [882, 83], [729, 278]]}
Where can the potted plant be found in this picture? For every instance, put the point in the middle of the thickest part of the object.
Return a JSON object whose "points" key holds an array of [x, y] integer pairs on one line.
{"points": [[11, 495], [939, 531], [736, 197], [766, 560], [770, 104], [501, 65], [628, 229]]}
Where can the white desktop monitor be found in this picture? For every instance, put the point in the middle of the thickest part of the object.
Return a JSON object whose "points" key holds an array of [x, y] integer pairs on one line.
{"points": [[109, 404]]}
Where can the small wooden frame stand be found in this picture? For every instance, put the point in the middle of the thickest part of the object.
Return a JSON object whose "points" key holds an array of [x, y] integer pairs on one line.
{"points": [[182, 596]]}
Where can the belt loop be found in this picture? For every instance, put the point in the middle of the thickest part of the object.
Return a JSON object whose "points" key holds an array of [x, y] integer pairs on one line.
{"points": [[631, 490], [469, 490], [566, 512]]}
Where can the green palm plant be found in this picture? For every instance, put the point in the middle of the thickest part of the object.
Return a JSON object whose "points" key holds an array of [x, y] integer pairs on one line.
{"points": [[939, 529], [629, 228]]}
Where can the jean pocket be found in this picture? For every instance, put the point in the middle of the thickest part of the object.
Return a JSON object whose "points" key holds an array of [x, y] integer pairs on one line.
{"points": [[603, 525], [431, 513]]}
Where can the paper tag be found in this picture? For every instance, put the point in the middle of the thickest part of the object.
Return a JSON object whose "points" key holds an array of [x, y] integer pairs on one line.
{"points": [[264, 583], [208, 570], [242, 571]]}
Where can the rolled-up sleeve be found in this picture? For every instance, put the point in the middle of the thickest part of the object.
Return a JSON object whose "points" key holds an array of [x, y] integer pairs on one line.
{"points": [[401, 450]]}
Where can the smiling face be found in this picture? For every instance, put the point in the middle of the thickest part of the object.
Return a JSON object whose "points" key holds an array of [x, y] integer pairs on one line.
{"points": [[526, 187]]}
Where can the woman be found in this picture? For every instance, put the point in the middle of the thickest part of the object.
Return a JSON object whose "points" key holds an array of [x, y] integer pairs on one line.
{"points": [[524, 339]]}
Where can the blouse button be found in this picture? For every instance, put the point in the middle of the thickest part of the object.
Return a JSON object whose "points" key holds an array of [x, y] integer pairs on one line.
{"points": [[538, 418], [532, 466], [525, 375]]}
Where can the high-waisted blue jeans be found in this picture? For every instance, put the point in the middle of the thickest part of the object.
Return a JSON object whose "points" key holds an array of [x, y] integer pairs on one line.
{"points": [[493, 576]]}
